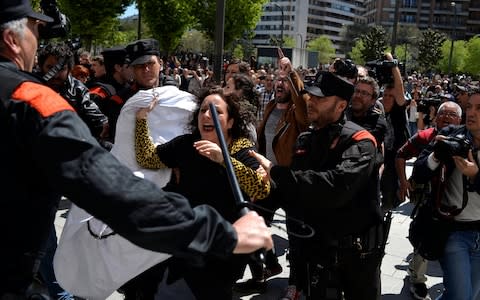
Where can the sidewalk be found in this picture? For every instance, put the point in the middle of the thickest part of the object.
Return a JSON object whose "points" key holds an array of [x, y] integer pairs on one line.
{"points": [[395, 283]]}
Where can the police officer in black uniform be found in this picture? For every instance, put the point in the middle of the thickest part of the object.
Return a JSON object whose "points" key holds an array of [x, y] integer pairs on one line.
{"points": [[333, 186], [47, 151], [112, 91]]}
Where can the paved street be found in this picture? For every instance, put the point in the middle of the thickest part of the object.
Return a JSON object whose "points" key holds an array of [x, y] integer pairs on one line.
{"points": [[395, 284]]}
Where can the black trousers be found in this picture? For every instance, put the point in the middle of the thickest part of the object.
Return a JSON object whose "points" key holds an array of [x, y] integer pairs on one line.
{"points": [[349, 272]]}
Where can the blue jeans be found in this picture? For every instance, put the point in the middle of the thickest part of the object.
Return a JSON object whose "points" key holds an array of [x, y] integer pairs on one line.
{"points": [[46, 269], [461, 266], [412, 127]]}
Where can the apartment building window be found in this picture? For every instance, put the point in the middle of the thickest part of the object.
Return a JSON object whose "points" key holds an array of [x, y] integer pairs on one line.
{"points": [[410, 3]]}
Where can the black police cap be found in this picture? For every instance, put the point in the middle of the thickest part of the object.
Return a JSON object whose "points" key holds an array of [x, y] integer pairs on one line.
{"points": [[115, 55], [139, 52], [328, 84], [18, 9]]}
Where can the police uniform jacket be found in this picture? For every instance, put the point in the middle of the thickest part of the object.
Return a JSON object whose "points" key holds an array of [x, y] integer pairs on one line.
{"points": [[332, 184], [46, 152]]}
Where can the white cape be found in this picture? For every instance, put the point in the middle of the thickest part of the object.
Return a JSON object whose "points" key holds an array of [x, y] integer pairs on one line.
{"points": [[94, 268]]}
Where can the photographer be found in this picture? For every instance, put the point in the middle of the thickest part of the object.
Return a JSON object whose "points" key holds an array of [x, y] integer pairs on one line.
{"points": [[396, 135], [452, 158], [448, 113]]}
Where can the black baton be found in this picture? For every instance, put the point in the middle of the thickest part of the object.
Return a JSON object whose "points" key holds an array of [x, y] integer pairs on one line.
{"points": [[237, 193]]}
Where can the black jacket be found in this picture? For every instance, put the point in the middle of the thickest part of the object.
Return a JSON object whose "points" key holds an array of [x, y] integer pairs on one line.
{"points": [[333, 182], [47, 151], [78, 96]]}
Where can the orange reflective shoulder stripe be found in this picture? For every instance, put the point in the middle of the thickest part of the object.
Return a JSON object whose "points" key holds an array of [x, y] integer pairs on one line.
{"points": [[364, 134], [117, 99], [99, 91], [43, 99]]}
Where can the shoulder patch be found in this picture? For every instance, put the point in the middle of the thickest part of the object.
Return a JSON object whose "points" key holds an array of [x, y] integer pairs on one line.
{"points": [[43, 99], [362, 135]]}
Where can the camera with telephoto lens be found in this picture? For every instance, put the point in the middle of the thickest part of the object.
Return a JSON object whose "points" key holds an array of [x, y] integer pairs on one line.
{"points": [[381, 70], [60, 27], [450, 146]]}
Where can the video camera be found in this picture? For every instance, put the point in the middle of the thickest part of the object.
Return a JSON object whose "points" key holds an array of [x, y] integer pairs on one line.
{"points": [[345, 68], [60, 27], [381, 70], [425, 103]]}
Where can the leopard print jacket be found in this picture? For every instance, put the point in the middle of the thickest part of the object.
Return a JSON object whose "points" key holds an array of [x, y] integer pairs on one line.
{"points": [[250, 181]]}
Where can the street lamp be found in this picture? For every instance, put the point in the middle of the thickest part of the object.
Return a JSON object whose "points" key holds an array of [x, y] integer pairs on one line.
{"points": [[301, 39], [301, 49], [281, 33], [453, 4], [407, 41]]}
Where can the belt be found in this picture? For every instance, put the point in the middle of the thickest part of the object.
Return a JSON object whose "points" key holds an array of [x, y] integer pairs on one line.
{"points": [[369, 240]]}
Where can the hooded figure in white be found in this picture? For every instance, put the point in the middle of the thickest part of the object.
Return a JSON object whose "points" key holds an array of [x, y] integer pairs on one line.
{"points": [[88, 249]]}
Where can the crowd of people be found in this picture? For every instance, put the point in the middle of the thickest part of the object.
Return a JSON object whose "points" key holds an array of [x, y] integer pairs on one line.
{"points": [[330, 152]]}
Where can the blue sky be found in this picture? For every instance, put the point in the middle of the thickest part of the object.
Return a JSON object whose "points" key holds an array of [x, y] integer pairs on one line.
{"points": [[130, 11]]}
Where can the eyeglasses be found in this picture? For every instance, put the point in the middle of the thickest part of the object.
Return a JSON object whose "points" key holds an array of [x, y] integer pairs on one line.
{"points": [[449, 114], [362, 93]]}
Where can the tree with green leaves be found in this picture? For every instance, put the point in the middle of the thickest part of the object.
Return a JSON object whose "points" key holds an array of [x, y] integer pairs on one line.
{"points": [[194, 41], [430, 49], [168, 20], [356, 53], [240, 15], [289, 42], [374, 44], [324, 46], [458, 57], [93, 20], [350, 35], [472, 61]]}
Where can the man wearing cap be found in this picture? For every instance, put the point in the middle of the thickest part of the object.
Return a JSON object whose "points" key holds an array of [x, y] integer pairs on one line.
{"points": [[114, 90], [332, 185], [47, 151], [144, 56]]}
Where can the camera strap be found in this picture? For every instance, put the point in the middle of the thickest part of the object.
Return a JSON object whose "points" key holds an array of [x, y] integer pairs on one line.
{"points": [[55, 69]]}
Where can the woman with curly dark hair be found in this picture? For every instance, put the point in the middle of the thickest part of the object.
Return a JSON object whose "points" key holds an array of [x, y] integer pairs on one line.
{"points": [[200, 175], [243, 87]]}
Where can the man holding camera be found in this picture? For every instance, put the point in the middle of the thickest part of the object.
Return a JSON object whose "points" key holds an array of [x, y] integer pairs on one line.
{"points": [[396, 135], [449, 113], [332, 185], [451, 165], [48, 151]]}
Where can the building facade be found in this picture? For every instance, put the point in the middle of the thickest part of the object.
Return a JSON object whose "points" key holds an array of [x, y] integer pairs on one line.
{"points": [[304, 20]]}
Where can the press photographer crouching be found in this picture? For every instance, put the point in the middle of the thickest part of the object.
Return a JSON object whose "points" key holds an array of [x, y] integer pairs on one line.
{"points": [[451, 164]]}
